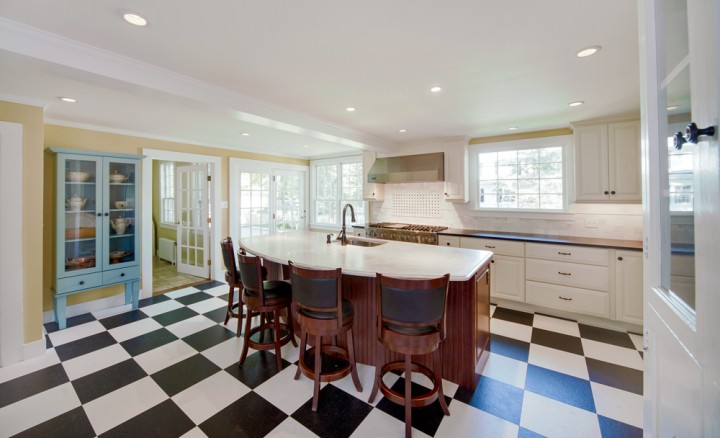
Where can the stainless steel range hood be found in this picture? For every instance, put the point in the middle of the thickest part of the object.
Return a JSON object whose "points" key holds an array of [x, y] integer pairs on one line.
{"points": [[408, 168]]}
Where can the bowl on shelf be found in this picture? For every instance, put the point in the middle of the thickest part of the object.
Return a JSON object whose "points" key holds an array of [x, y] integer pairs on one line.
{"points": [[115, 256], [120, 204], [77, 176], [116, 178], [79, 263], [80, 233]]}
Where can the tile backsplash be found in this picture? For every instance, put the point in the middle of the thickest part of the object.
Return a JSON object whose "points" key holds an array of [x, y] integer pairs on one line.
{"points": [[610, 221]]}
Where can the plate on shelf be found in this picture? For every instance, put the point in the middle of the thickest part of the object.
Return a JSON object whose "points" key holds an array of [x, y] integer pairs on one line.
{"points": [[80, 233], [79, 263], [115, 256]]}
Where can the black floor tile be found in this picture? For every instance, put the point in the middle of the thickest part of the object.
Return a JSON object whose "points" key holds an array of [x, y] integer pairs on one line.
{"points": [[209, 285], [73, 423], [48, 343], [527, 433], [209, 337], [250, 416], [193, 298], [614, 337], [559, 341], [174, 316], [513, 316], [152, 300], [74, 321], [338, 414], [122, 318], [509, 347], [109, 379], [218, 315], [561, 387], [84, 346], [258, 367], [176, 378], [610, 428], [163, 420], [496, 397], [148, 341], [425, 419], [30, 384], [616, 376]]}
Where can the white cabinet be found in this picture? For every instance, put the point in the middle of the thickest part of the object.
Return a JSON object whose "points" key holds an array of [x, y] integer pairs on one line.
{"points": [[507, 270], [607, 161], [371, 191], [629, 286], [452, 241], [456, 171]]}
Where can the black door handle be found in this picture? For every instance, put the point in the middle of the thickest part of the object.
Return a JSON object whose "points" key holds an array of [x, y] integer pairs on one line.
{"points": [[692, 133]]}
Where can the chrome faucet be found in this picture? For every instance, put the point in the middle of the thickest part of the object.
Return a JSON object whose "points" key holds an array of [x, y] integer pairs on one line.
{"points": [[342, 237]]}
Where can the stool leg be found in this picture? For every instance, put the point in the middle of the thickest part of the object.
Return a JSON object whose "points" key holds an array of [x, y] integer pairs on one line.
{"points": [[230, 303], [246, 339], [379, 361], [437, 364], [408, 396], [303, 346], [351, 354], [290, 325], [317, 371], [240, 318], [276, 321]]}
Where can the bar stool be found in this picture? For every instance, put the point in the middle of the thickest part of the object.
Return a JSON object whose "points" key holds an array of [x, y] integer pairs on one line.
{"points": [[266, 298], [232, 277], [411, 321], [322, 312]]}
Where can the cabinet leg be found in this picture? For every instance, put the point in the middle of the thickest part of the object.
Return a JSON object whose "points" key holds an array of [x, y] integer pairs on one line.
{"points": [[132, 293], [59, 307]]}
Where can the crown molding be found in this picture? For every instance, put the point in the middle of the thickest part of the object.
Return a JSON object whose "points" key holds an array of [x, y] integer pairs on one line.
{"points": [[25, 100]]}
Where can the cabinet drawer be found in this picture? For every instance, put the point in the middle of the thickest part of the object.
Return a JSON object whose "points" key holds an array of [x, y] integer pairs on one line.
{"points": [[453, 241], [118, 275], [80, 282], [498, 246], [568, 298], [568, 274], [568, 253]]}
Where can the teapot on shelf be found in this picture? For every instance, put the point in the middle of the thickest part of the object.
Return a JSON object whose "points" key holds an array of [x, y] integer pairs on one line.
{"points": [[75, 202], [120, 224]]}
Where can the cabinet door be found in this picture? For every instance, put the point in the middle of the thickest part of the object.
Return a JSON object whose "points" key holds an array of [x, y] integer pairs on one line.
{"points": [[507, 278], [452, 241], [79, 215], [456, 172], [629, 286], [591, 163], [371, 191], [120, 214], [624, 155]]}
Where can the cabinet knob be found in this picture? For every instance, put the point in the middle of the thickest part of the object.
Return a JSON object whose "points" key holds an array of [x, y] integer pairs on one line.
{"points": [[122, 274], [612, 192], [82, 282], [107, 214], [446, 194], [492, 261], [99, 214], [620, 258], [606, 192]]}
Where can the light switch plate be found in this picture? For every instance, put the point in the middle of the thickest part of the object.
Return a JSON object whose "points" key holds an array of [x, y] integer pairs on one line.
{"points": [[592, 223]]}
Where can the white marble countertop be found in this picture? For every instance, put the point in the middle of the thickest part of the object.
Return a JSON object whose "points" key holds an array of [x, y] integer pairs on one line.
{"points": [[392, 258]]}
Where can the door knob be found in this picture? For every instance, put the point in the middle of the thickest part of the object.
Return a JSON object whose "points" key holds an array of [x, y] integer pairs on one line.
{"points": [[692, 133]]}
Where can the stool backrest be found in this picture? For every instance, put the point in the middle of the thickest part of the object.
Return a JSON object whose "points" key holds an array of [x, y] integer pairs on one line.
{"points": [[228, 254], [317, 289], [412, 302], [251, 274]]}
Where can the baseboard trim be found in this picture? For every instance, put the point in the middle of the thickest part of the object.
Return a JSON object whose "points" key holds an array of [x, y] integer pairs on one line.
{"points": [[100, 305], [34, 349]]}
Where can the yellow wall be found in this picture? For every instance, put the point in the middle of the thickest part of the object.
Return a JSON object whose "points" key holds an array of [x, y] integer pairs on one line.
{"points": [[31, 117]]}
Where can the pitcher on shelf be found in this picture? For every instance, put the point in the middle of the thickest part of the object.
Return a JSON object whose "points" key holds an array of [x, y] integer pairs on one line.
{"points": [[120, 225]]}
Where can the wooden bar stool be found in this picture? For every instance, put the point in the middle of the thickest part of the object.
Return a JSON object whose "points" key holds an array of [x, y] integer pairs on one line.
{"points": [[411, 321], [266, 298], [322, 312], [232, 277]]}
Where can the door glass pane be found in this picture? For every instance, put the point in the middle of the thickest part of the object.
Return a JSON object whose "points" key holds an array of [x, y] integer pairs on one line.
{"points": [[122, 207], [289, 211], [82, 229], [254, 204]]}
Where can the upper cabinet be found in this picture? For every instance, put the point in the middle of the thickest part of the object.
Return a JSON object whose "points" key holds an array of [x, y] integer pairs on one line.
{"points": [[371, 191], [456, 171], [607, 161]]}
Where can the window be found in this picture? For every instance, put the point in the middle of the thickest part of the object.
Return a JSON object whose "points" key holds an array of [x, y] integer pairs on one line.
{"points": [[337, 182], [520, 175], [167, 193], [680, 174]]}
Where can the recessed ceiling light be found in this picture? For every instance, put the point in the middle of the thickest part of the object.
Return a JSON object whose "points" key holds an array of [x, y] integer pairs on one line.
{"points": [[588, 51], [402, 130], [350, 109], [672, 108], [513, 128], [67, 99], [436, 89], [134, 19], [577, 103], [245, 134]]}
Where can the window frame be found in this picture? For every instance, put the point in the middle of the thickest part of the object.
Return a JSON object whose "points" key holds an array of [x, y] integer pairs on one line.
{"points": [[337, 161], [564, 141], [162, 182]]}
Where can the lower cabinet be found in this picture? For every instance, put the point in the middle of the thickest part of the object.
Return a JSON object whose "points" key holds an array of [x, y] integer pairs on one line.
{"points": [[629, 286], [507, 278]]}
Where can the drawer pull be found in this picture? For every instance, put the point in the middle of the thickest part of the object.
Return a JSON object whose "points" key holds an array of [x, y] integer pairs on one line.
{"points": [[490, 246], [563, 298], [82, 282], [122, 275], [564, 273], [564, 253]]}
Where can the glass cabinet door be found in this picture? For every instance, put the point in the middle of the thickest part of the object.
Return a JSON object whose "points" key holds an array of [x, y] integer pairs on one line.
{"points": [[81, 225], [120, 176]]}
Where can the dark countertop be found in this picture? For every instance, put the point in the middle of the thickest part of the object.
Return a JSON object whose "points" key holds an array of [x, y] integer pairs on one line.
{"points": [[546, 238]]}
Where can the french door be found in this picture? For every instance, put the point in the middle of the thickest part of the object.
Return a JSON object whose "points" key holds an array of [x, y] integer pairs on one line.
{"points": [[191, 207]]}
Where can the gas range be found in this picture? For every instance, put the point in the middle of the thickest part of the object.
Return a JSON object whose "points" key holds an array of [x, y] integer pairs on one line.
{"points": [[426, 234]]}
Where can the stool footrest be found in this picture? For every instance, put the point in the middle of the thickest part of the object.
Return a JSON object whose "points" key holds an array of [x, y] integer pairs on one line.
{"points": [[418, 400], [340, 354]]}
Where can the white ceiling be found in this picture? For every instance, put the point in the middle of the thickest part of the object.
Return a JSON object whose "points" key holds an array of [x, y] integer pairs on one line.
{"points": [[285, 70]]}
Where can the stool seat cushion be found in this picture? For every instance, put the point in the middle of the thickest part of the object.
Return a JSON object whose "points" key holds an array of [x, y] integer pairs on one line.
{"points": [[274, 290], [347, 310], [420, 330]]}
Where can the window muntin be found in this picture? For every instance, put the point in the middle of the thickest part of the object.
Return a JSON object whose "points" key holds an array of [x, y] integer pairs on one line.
{"points": [[167, 193]]}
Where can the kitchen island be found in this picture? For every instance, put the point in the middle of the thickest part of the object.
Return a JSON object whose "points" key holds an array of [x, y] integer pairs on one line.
{"points": [[466, 348]]}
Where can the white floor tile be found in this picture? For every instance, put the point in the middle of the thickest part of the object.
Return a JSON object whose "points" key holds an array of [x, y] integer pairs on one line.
{"points": [[20, 369], [505, 369], [366, 374], [511, 329], [95, 361], [612, 353], [104, 313], [285, 393], [123, 404], [71, 334], [165, 306], [637, 341], [205, 306], [556, 325], [206, 398], [226, 353], [182, 292], [558, 360], [134, 329], [290, 428], [617, 404], [378, 424], [555, 419], [220, 290], [464, 418], [191, 325], [37, 409], [194, 433], [162, 357]]}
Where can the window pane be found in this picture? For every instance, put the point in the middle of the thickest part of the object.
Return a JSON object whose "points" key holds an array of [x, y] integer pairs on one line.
{"points": [[551, 155], [488, 173], [551, 202], [551, 186], [528, 186], [550, 170], [507, 157], [529, 156], [507, 171], [528, 171], [529, 201]]}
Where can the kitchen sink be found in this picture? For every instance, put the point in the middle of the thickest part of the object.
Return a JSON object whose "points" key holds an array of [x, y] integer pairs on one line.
{"points": [[354, 241]]}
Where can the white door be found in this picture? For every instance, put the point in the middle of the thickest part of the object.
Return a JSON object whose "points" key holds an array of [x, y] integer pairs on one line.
{"points": [[288, 200], [681, 206], [191, 199]]}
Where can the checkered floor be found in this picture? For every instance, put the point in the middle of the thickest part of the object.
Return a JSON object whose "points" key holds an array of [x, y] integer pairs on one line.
{"points": [[170, 369]]}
